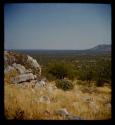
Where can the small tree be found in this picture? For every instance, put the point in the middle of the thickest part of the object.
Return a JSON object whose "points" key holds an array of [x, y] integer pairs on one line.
{"points": [[61, 70], [103, 72], [86, 73]]}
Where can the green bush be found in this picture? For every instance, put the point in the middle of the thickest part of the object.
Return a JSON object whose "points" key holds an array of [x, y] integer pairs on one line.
{"points": [[64, 84], [61, 70], [86, 73], [103, 72]]}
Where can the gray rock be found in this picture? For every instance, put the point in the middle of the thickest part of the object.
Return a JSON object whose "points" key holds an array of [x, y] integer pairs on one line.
{"points": [[62, 112], [108, 105], [21, 69], [8, 58], [21, 62], [27, 68], [66, 114], [72, 117], [28, 71], [8, 69], [23, 78], [40, 83], [44, 99], [34, 64], [30, 84]]}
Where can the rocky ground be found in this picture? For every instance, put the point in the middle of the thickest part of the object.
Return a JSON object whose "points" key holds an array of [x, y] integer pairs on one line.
{"points": [[29, 96], [52, 103]]}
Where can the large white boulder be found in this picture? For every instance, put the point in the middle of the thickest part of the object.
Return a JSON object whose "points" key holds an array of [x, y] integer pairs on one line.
{"points": [[33, 63]]}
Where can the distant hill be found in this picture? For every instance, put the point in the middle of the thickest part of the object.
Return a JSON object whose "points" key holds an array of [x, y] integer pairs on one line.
{"points": [[102, 47]]}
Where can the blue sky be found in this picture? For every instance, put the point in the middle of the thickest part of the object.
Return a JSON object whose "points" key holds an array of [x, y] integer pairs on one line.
{"points": [[56, 25]]}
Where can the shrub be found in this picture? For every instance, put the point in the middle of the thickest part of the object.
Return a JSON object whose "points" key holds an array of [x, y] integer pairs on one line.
{"points": [[61, 70], [103, 72], [100, 72], [86, 73], [64, 84]]}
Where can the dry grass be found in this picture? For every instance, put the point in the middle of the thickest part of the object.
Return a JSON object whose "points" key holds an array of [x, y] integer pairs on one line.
{"points": [[22, 103]]}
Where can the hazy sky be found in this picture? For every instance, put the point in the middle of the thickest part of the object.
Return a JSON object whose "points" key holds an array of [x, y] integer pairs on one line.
{"points": [[56, 26]]}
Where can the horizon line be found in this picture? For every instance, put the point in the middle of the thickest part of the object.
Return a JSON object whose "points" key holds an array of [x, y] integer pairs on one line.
{"points": [[57, 49]]}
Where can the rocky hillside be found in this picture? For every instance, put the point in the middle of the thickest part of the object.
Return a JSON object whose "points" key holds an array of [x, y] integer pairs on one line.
{"points": [[102, 47], [25, 67]]}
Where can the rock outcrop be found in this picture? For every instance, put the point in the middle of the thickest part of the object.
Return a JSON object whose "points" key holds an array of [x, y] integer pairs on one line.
{"points": [[21, 69], [9, 58], [25, 60], [34, 65], [23, 78], [27, 68], [8, 69]]}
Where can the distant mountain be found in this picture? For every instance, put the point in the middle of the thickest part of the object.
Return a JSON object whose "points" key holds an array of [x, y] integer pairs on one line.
{"points": [[102, 47]]}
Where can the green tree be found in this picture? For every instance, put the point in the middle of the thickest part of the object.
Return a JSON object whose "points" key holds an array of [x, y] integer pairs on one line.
{"points": [[86, 72], [103, 72], [61, 70]]}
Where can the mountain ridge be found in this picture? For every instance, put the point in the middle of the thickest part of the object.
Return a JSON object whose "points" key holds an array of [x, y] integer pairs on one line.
{"points": [[97, 47], [102, 47]]}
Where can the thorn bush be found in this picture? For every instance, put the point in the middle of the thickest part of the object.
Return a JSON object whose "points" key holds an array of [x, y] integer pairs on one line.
{"points": [[64, 84]]}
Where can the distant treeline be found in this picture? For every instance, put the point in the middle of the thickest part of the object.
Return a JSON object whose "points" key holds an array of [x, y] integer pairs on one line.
{"points": [[46, 56]]}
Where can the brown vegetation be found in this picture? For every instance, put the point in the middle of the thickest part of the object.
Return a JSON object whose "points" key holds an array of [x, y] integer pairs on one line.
{"points": [[22, 103]]}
